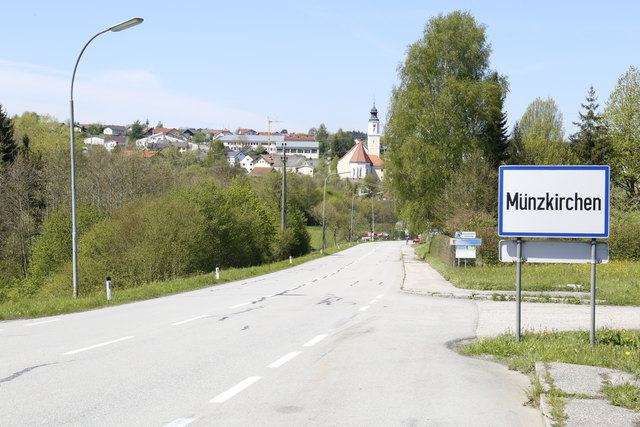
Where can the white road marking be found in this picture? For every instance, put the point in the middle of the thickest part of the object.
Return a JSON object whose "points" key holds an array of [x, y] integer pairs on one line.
{"points": [[240, 305], [373, 301], [190, 320], [180, 422], [364, 308], [42, 322], [379, 296], [98, 345], [223, 397], [315, 340], [284, 359]]}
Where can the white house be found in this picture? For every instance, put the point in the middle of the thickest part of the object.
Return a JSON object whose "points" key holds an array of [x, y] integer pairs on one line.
{"points": [[114, 130]]}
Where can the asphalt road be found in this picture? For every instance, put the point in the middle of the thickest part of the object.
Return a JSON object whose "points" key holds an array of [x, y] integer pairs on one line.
{"points": [[332, 342]]}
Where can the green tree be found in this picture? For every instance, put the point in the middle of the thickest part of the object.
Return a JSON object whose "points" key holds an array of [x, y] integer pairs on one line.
{"points": [[542, 134], [622, 113], [321, 136], [8, 146], [439, 112], [591, 143], [494, 134], [338, 144], [136, 132], [95, 129]]}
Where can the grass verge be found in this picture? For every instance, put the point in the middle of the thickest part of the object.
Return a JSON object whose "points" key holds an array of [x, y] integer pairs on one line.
{"points": [[30, 308], [618, 281], [616, 349]]}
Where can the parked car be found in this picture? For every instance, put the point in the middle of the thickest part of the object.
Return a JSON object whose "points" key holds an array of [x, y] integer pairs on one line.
{"points": [[416, 240]]}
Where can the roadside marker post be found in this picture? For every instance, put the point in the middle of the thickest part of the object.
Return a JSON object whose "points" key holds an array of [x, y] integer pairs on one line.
{"points": [[557, 202], [217, 272], [108, 288]]}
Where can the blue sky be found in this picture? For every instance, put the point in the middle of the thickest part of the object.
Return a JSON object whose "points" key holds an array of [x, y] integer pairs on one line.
{"points": [[235, 64]]}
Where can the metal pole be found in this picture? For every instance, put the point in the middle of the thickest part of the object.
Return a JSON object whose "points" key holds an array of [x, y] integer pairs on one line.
{"points": [[351, 222], [518, 283], [324, 204], [74, 228], [284, 186], [373, 221], [592, 336]]}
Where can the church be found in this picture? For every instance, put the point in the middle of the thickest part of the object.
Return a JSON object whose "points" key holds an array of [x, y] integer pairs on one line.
{"points": [[362, 160]]}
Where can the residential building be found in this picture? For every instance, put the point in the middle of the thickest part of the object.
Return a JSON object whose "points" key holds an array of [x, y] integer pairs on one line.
{"points": [[114, 130]]}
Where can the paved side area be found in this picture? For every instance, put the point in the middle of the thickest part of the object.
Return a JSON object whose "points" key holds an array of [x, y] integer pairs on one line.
{"points": [[498, 317]]}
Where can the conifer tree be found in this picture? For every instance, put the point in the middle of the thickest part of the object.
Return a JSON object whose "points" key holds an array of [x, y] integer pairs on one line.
{"points": [[8, 146], [590, 142]]}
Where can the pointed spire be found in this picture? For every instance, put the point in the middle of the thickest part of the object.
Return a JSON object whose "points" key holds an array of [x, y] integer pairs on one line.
{"points": [[374, 111]]}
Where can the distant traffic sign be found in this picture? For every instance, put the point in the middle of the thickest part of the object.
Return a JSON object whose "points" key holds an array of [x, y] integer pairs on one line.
{"points": [[465, 242]]}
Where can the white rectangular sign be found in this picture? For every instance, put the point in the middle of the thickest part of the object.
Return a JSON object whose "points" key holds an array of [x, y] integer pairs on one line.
{"points": [[558, 251], [466, 252], [553, 201]]}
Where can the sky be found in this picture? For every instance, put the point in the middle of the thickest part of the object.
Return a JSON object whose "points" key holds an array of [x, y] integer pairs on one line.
{"points": [[238, 64]]}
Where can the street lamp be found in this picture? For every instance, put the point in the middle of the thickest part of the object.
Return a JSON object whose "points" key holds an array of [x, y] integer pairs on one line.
{"points": [[324, 203], [74, 235]]}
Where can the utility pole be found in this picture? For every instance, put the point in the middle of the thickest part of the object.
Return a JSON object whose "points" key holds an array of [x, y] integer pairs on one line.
{"points": [[284, 186]]}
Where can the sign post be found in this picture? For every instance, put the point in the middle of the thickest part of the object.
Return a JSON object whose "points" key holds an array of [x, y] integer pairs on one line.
{"points": [[554, 201]]}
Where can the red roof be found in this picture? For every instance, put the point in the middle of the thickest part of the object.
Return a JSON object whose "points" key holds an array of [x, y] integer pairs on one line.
{"points": [[359, 155], [377, 161], [163, 130], [299, 138], [143, 154], [260, 171]]}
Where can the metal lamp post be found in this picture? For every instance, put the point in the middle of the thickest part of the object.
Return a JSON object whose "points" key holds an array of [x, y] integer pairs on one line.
{"points": [[74, 236]]}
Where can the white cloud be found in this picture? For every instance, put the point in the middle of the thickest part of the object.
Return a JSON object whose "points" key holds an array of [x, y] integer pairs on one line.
{"points": [[114, 97]]}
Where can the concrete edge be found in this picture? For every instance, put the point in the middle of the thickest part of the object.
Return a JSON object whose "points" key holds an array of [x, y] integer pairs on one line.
{"points": [[545, 407]]}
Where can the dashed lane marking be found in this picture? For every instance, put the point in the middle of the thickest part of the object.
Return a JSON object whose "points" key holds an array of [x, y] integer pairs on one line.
{"points": [[180, 422], [223, 397], [41, 322], [284, 359], [91, 347], [315, 340], [182, 322]]}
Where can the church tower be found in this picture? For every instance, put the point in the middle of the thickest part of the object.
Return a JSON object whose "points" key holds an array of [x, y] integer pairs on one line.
{"points": [[373, 132]]}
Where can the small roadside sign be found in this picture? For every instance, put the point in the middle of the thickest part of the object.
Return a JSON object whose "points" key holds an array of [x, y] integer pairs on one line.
{"points": [[465, 242], [548, 251], [465, 235]]}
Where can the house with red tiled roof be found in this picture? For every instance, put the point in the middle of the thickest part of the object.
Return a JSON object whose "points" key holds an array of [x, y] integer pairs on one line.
{"points": [[166, 130]]}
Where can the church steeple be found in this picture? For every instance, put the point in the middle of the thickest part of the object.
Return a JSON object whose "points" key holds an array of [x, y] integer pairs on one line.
{"points": [[374, 112], [373, 132]]}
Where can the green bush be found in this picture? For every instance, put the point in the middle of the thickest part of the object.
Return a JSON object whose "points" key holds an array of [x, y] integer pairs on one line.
{"points": [[624, 242], [441, 248]]}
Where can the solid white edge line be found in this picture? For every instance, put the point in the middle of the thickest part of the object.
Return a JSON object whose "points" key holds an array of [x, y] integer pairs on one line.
{"points": [[42, 322], [223, 397], [240, 305], [98, 345], [182, 322], [180, 422], [315, 340], [364, 308], [284, 359]]}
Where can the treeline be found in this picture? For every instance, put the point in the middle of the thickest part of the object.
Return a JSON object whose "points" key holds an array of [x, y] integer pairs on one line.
{"points": [[150, 219], [447, 132]]}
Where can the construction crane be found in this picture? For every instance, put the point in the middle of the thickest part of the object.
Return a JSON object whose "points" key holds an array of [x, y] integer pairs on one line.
{"points": [[269, 121]]}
